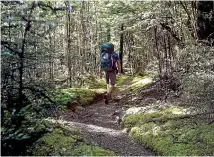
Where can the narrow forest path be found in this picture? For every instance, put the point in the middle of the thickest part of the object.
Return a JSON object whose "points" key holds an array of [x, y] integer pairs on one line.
{"points": [[98, 123]]}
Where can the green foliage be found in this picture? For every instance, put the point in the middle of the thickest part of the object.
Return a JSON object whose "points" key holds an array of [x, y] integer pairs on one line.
{"points": [[198, 81], [31, 129], [178, 137], [16, 140], [62, 98], [63, 142]]}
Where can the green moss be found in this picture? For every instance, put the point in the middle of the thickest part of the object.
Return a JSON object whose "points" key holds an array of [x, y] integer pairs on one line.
{"points": [[123, 79], [88, 150], [179, 137], [207, 134], [159, 115], [178, 142], [53, 144], [81, 96], [65, 143], [138, 119], [62, 98], [135, 81]]}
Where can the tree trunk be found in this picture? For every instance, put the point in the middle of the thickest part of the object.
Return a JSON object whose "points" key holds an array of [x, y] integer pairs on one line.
{"points": [[121, 47], [205, 20], [68, 28], [108, 32]]}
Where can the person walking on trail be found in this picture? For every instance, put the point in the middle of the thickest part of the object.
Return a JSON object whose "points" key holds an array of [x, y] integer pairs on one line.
{"points": [[110, 65]]}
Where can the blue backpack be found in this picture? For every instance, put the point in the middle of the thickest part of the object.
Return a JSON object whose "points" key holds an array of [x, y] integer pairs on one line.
{"points": [[107, 60]]}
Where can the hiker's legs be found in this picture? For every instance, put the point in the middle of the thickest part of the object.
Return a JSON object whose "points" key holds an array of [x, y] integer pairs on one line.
{"points": [[107, 87], [112, 81], [109, 90]]}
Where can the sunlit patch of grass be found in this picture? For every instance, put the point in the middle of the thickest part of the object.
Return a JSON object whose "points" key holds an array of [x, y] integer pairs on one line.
{"points": [[99, 90], [137, 78], [139, 82], [123, 79]]}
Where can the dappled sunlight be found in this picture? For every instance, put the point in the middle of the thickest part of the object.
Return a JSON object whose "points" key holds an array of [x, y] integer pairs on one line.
{"points": [[99, 90], [142, 82], [126, 82], [87, 127], [177, 110], [160, 107], [139, 83], [137, 110]]}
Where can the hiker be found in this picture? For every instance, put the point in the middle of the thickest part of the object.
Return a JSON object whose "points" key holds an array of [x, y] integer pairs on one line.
{"points": [[110, 65]]}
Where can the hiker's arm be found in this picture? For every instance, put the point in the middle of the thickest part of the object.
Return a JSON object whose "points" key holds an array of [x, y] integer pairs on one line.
{"points": [[118, 66]]}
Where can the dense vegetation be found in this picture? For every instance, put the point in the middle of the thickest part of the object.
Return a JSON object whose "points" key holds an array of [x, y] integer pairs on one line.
{"points": [[50, 55]]}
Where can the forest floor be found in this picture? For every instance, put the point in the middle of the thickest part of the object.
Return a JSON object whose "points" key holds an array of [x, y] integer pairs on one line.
{"points": [[140, 121], [99, 124]]}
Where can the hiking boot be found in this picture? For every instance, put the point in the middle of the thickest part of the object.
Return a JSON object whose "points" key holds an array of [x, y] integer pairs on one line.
{"points": [[106, 99]]}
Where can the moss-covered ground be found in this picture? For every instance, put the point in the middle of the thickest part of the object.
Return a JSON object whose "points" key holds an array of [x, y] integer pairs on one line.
{"points": [[134, 82], [82, 96], [64, 142], [169, 133], [167, 130], [139, 82], [93, 87]]}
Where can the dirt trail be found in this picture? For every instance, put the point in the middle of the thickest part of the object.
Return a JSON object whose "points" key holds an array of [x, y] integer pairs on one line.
{"points": [[99, 125]]}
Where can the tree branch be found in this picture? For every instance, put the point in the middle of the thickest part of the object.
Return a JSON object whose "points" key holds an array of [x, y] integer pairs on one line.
{"points": [[171, 32], [189, 25]]}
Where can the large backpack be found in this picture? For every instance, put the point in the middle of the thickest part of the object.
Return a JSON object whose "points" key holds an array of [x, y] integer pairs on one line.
{"points": [[106, 57]]}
